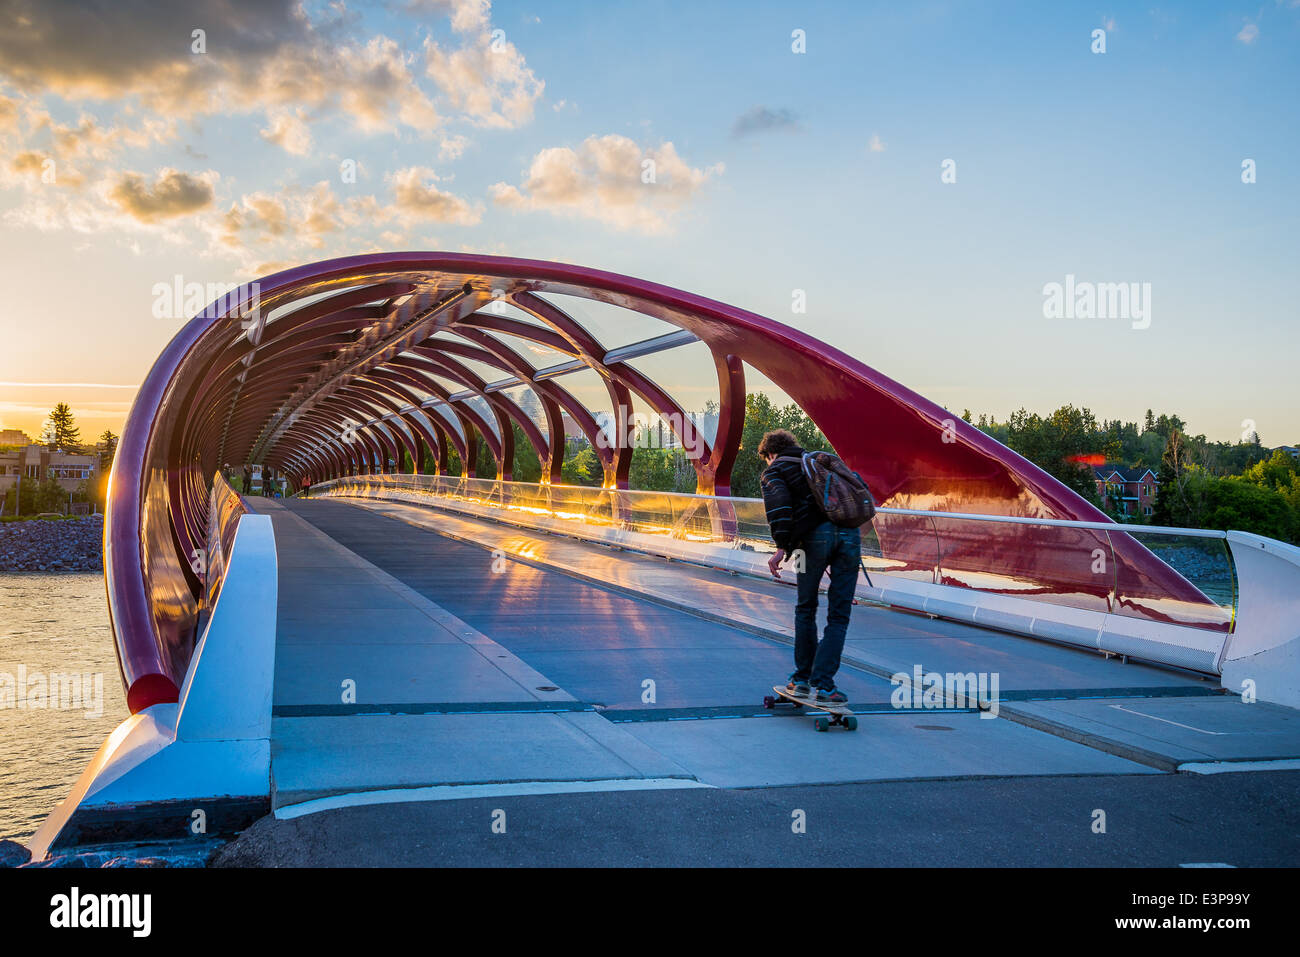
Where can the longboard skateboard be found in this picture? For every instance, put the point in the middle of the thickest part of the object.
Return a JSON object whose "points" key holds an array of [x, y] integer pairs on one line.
{"points": [[839, 714]]}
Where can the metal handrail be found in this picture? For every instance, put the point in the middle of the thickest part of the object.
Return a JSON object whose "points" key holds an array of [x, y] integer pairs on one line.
{"points": [[883, 510]]}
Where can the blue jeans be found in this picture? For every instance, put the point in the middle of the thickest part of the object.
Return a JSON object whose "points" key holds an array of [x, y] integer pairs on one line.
{"points": [[840, 549]]}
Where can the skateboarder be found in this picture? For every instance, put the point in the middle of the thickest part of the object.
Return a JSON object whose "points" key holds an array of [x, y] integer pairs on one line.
{"points": [[802, 532]]}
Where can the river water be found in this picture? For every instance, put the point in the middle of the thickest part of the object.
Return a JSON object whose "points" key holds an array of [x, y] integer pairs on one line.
{"points": [[60, 690]]}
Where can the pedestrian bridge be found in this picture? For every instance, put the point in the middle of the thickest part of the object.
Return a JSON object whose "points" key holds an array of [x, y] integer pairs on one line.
{"points": [[402, 636]]}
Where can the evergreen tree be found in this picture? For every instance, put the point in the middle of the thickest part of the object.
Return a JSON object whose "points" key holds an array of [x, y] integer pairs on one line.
{"points": [[61, 430], [109, 441], [1164, 510]]}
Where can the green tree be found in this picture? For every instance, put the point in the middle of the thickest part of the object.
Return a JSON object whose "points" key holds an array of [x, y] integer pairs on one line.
{"points": [[1172, 506], [1276, 472], [1234, 503], [581, 464], [51, 496], [1059, 444], [487, 464], [24, 503], [761, 417], [61, 430], [109, 442], [527, 466]]}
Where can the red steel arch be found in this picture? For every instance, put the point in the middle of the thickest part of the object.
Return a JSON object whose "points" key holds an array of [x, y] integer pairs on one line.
{"points": [[343, 366]]}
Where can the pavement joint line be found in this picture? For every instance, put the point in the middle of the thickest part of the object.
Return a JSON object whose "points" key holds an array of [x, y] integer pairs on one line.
{"points": [[433, 707], [1176, 724], [1120, 749], [650, 715], [461, 792], [929, 779]]}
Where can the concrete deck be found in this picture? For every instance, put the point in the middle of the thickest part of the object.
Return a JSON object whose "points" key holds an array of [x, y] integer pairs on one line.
{"points": [[1177, 717], [413, 660]]}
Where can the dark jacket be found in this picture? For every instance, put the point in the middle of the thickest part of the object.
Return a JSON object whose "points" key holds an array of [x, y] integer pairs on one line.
{"points": [[791, 511]]}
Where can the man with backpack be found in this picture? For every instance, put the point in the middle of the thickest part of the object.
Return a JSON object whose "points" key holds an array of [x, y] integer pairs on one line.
{"points": [[803, 528]]}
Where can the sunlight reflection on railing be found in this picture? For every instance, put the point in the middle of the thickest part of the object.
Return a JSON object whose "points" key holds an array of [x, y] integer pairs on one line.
{"points": [[1072, 564]]}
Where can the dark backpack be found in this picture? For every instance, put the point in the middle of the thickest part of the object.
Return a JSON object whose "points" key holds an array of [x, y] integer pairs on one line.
{"points": [[838, 491]]}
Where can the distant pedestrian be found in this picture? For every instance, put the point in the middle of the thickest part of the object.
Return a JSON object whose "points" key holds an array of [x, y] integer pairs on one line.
{"points": [[802, 532]]}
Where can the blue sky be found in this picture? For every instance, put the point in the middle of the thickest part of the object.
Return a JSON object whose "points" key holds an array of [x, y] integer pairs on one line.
{"points": [[817, 171]]}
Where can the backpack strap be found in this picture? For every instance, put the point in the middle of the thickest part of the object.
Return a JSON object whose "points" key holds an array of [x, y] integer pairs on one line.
{"points": [[802, 461]]}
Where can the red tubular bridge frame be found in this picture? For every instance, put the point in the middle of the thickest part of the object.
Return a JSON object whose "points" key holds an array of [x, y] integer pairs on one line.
{"points": [[342, 366]]}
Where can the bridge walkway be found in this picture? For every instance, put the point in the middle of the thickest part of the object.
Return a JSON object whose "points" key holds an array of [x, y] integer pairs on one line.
{"points": [[483, 656]]}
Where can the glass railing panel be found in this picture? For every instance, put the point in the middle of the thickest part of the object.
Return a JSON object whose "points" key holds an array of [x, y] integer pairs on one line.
{"points": [[1061, 566], [900, 545], [1194, 582]]}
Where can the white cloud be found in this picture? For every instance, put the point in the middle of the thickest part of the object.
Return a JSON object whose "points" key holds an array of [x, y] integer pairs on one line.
{"points": [[452, 147], [486, 78], [875, 146], [289, 131], [604, 179], [270, 57], [1249, 33], [170, 194], [416, 198]]}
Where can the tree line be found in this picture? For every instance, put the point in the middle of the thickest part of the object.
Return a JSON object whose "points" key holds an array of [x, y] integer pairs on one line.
{"points": [[1201, 484]]}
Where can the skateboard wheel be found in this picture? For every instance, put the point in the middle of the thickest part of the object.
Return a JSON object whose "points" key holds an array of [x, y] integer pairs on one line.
{"points": [[797, 704], [822, 724], [851, 723], [768, 702]]}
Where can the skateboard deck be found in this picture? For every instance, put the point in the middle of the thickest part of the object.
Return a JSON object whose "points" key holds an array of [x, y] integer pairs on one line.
{"points": [[839, 713]]}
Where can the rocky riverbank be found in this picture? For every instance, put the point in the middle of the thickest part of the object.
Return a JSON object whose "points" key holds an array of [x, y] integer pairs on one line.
{"points": [[53, 545]]}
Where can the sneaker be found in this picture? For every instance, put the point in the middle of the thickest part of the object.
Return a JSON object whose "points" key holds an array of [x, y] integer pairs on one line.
{"points": [[831, 696], [801, 688]]}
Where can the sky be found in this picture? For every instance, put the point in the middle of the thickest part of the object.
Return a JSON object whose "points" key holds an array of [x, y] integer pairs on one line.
{"points": [[918, 174]]}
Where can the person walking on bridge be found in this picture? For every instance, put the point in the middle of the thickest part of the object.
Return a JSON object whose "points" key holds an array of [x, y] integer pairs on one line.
{"points": [[803, 533]]}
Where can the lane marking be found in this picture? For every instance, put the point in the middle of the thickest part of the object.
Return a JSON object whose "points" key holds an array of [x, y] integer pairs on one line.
{"points": [[457, 792], [1165, 720]]}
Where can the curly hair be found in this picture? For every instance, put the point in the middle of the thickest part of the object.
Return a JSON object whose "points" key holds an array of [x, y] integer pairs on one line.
{"points": [[778, 442]]}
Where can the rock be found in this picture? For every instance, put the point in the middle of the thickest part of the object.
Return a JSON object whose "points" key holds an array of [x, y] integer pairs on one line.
{"points": [[13, 854], [74, 544]]}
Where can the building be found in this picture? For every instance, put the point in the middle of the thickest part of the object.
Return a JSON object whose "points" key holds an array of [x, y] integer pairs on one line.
{"points": [[37, 463], [14, 437], [1127, 490]]}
